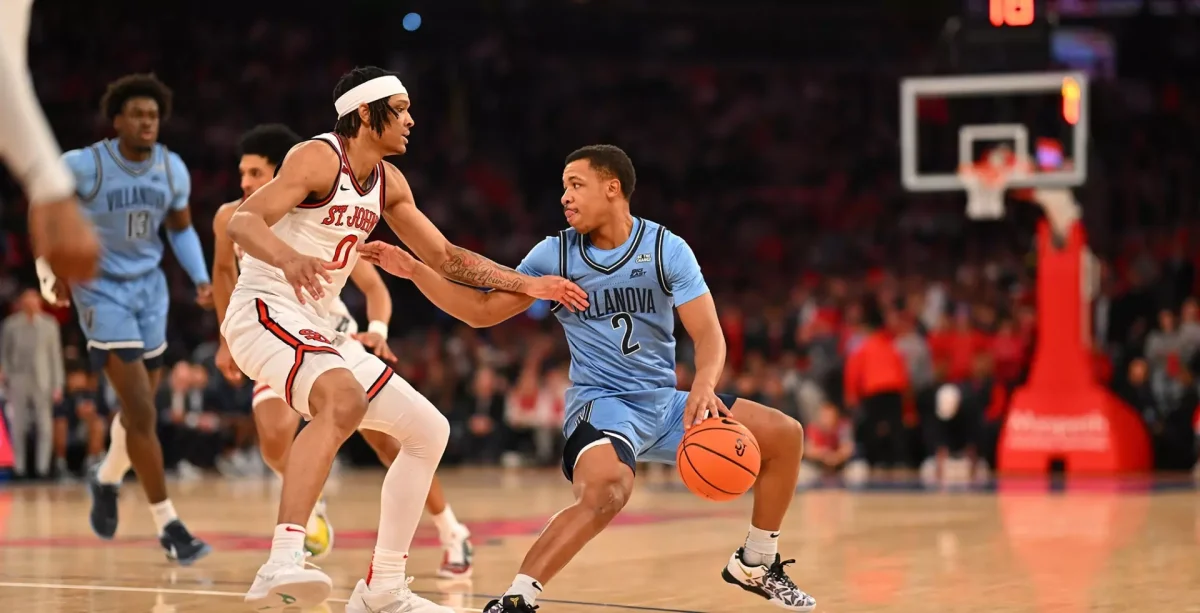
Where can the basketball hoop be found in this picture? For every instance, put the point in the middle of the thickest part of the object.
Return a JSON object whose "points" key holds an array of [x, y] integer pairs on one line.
{"points": [[986, 180]]}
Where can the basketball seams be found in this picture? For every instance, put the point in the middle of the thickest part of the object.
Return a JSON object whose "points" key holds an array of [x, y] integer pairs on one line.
{"points": [[744, 432], [722, 456], [688, 458]]}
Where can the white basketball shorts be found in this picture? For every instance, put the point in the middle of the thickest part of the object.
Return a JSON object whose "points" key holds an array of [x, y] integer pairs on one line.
{"points": [[284, 347]]}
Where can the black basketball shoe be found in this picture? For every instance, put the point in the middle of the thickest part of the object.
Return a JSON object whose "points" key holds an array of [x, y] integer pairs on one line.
{"points": [[181, 546], [510, 603], [104, 505]]}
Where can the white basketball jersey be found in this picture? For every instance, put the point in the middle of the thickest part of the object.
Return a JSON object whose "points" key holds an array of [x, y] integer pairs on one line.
{"points": [[339, 317], [330, 228]]}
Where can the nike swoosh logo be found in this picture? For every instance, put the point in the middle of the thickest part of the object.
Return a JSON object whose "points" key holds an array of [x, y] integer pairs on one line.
{"points": [[775, 536], [291, 529], [537, 585], [344, 188]]}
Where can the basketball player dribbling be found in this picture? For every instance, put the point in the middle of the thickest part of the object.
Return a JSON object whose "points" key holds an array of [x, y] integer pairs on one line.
{"points": [[300, 234], [623, 407], [262, 149]]}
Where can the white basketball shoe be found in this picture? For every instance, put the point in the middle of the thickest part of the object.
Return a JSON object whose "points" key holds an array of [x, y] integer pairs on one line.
{"points": [[289, 585], [770, 582], [399, 600], [457, 552]]}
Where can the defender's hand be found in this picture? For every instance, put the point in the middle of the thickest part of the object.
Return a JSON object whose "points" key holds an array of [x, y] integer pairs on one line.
{"points": [[392, 259], [701, 405], [204, 295], [61, 234], [377, 344], [226, 365], [304, 273], [558, 290]]}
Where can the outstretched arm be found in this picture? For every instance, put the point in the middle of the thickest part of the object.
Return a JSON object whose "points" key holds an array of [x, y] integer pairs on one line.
{"points": [[185, 243], [463, 265], [476, 308]]}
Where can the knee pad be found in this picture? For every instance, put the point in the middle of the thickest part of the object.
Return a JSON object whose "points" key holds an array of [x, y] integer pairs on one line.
{"points": [[403, 413]]}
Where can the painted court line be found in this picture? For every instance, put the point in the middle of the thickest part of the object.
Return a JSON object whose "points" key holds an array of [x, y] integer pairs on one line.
{"points": [[137, 590]]}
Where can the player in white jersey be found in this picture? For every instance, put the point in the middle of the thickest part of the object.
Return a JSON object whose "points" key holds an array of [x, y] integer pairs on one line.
{"points": [[57, 228], [262, 149], [300, 233]]}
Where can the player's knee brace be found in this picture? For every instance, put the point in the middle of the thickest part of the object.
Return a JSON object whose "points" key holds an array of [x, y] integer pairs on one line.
{"points": [[404, 414]]}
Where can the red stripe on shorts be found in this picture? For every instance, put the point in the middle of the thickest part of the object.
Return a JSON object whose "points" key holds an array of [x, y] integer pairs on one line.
{"points": [[302, 349], [377, 386]]}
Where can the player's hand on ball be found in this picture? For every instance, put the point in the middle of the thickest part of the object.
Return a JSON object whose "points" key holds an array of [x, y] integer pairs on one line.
{"points": [[304, 273], [560, 290], [392, 259], [703, 403], [61, 234], [229, 369], [377, 344], [204, 295]]}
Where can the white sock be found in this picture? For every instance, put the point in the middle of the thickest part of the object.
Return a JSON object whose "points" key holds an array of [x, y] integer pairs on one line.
{"points": [[287, 545], [116, 462], [387, 570], [524, 585], [446, 522], [164, 513], [761, 547]]}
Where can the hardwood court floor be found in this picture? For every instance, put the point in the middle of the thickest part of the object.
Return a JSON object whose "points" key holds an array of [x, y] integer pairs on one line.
{"points": [[1016, 550]]}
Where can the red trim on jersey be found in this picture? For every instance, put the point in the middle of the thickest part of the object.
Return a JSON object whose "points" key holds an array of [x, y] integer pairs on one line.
{"points": [[260, 388], [302, 349], [309, 202], [379, 383], [348, 169], [382, 189]]}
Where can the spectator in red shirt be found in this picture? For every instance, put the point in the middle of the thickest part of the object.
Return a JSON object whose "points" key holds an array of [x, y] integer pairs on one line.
{"points": [[829, 440], [955, 347], [876, 385]]}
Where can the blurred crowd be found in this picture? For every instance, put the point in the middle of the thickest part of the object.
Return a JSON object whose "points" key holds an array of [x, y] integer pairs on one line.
{"points": [[781, 173]]}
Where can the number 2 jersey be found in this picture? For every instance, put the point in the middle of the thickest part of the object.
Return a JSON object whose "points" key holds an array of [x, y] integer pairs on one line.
{"points": [[624, 342], [127, 202], [329, 226]]}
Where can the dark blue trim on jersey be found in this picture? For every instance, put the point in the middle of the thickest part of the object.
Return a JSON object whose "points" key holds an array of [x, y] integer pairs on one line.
{"points": [[562, 264], [124, 164], [99, 175], [166, 155], [659, 264], [633, 246]]}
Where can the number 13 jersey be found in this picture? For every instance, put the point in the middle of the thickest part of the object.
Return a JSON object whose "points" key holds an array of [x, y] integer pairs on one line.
{"points": [[328, 226]]}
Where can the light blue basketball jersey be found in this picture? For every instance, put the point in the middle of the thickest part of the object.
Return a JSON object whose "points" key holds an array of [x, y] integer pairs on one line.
{"points": [[625, 342], [128, 201]]}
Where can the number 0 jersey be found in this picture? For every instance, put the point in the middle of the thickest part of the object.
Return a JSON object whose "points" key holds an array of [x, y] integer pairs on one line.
{"points": [[329, 227]]}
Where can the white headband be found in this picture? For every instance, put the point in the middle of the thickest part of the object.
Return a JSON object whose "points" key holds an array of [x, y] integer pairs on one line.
{"points": [[380, 88]]}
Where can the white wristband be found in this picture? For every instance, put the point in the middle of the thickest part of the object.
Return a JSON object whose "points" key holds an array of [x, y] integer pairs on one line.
{"points": [[378, 327], [46, 280]]}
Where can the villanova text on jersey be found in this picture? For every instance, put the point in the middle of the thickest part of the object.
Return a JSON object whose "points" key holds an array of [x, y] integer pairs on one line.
{"points": [[127, 202], [624, 342]]}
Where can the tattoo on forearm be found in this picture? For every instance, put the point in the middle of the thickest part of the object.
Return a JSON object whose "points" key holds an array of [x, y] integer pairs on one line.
{"points": [[473, 269]]}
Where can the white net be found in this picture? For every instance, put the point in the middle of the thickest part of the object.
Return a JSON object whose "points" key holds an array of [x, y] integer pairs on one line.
{"points": [[985, 193]]}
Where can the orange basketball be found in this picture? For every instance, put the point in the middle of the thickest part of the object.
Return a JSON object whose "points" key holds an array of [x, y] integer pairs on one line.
{"points": [[719, 459]]}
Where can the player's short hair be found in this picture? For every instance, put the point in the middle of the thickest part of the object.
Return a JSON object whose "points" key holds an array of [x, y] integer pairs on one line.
{"points": [[611, 161], [272, 141], [379, 112], [135, 86]]}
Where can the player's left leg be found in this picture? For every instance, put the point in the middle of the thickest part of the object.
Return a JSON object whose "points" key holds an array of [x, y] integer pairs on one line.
{"points": [[756, 566], [421, 431], [457, 550]]}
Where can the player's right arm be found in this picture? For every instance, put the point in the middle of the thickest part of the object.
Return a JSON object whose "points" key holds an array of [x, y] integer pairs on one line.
{"points": [[311, 167], [476, 308]]}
